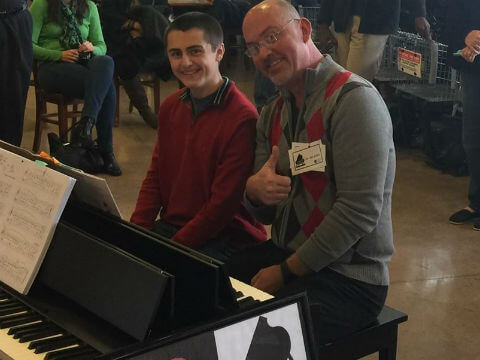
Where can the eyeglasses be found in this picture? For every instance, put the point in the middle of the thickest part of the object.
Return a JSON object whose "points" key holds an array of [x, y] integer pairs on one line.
{"points": [[268, 40]]}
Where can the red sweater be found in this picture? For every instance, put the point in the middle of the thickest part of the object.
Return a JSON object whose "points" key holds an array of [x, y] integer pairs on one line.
{"points": [[199, 169]]}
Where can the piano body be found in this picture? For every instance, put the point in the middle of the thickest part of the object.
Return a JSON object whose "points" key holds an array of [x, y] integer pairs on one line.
{"points": [[107, 284]]}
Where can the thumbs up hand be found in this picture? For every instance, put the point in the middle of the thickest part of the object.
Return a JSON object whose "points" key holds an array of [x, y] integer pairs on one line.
{"points": [[266, 186]]}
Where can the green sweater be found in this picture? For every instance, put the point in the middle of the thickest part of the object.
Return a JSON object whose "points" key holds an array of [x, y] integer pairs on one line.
{"points": [[46, 34]]}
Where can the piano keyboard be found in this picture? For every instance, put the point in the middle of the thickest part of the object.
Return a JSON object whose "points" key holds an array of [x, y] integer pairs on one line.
{"points": [[27, 335], [248, 295]]}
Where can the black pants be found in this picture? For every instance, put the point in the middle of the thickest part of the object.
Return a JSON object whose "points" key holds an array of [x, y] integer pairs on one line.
{"points": [[471, 134], [15, 67], [339, 305]]}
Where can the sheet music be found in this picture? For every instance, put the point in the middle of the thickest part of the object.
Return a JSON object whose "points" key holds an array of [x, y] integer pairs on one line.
{"points": [[32, 198]]}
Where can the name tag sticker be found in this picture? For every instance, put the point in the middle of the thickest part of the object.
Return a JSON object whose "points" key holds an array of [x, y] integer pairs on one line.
{"points": [[307, 157]]}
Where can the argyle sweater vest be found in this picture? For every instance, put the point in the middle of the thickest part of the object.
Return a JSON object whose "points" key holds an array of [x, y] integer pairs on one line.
{"points": [[313, 193]]}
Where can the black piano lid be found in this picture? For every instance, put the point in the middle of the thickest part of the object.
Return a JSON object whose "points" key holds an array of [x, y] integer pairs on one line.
{"points": [[202, 288], [148, 349], [104, 280]]}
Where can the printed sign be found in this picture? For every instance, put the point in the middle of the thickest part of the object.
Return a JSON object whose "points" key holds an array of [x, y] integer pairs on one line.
{"points": [[307, 157], [410, 62]]}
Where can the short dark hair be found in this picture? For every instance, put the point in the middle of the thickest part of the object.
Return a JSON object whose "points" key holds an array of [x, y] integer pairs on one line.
{"points": [[212, 30]]}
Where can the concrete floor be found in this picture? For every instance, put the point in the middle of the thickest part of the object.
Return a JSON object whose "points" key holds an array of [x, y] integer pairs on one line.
{"points": [[435, 271]]}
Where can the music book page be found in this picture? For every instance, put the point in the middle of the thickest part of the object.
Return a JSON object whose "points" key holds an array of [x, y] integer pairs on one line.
{"points": [[32, 198]]}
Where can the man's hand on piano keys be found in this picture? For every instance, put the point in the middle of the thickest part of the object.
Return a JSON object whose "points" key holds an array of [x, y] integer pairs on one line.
{"points": [[271, 279], [268, 279]]}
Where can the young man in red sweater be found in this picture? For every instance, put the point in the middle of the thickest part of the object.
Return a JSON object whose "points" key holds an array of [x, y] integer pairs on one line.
{"points": [[204, 150]]}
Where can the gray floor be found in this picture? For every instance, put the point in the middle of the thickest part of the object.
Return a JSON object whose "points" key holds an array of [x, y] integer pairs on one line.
{"points": [[435, 272]]}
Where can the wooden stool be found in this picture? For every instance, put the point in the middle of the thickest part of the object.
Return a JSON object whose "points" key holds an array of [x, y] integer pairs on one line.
{"points": [[59, 118], [380, 337]]}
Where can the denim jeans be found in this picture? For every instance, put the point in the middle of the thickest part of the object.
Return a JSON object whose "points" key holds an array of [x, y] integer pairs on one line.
{"points": [[92, 82], [471, 134]]}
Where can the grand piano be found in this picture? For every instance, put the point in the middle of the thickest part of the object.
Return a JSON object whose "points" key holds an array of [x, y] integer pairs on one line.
{"points": [[108, 289], [106, 284]]}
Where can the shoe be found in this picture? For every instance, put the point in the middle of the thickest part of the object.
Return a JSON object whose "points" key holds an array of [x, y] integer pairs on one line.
{"points": [[82, 133], [111, 166], [463, 216], [149, 117], [476, 226]]}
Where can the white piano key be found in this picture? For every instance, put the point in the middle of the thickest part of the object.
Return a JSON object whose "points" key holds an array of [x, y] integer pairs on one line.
{"points": [[11, 349]]}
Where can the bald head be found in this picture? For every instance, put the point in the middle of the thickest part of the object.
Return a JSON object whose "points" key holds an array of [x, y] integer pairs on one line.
{"points": [[275, 8], [280, 42]]}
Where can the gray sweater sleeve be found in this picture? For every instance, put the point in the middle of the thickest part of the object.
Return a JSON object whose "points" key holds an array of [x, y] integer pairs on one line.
{"points": [[363, 167]]}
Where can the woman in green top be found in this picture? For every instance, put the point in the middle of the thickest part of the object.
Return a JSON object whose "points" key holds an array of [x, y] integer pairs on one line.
{"points": [[68, 43]]}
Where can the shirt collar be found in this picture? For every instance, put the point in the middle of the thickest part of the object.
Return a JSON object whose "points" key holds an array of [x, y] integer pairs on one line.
{"points": [[316, 77], [219, 96]]}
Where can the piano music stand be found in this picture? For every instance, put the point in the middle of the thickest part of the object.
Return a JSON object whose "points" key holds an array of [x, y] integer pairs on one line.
{"points": [[202, 289]]}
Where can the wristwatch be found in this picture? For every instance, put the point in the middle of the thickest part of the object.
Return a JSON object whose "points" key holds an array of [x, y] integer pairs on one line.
{"points": [[287, 274]]}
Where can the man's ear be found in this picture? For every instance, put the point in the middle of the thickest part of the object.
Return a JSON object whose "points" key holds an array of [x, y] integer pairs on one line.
{"points": [[220, 52], [306, 27]]}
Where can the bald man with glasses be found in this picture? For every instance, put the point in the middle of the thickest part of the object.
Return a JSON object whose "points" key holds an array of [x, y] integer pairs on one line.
{"points": [[323, 177]]}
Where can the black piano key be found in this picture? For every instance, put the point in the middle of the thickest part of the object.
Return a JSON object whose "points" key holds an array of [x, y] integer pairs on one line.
{"points": [[6, 316], [33, 326], [21, 330], [13, 310], [238, 294], [44, 345], [67, 354], [6, 322], [248, 301], [57, 354], [40, 334], [36, 329], [8, 303], [86, 356]]}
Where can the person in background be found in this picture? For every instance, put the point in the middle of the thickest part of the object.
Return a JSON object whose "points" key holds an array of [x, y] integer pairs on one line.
{"points": [[15, 67], [229, 13], [134, 36], [361, 30], [68, 44], [464, 47], [204, 149], [323, 177]]}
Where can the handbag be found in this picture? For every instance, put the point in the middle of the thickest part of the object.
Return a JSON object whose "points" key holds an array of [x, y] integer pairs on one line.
{"points": [[89, 160]]}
